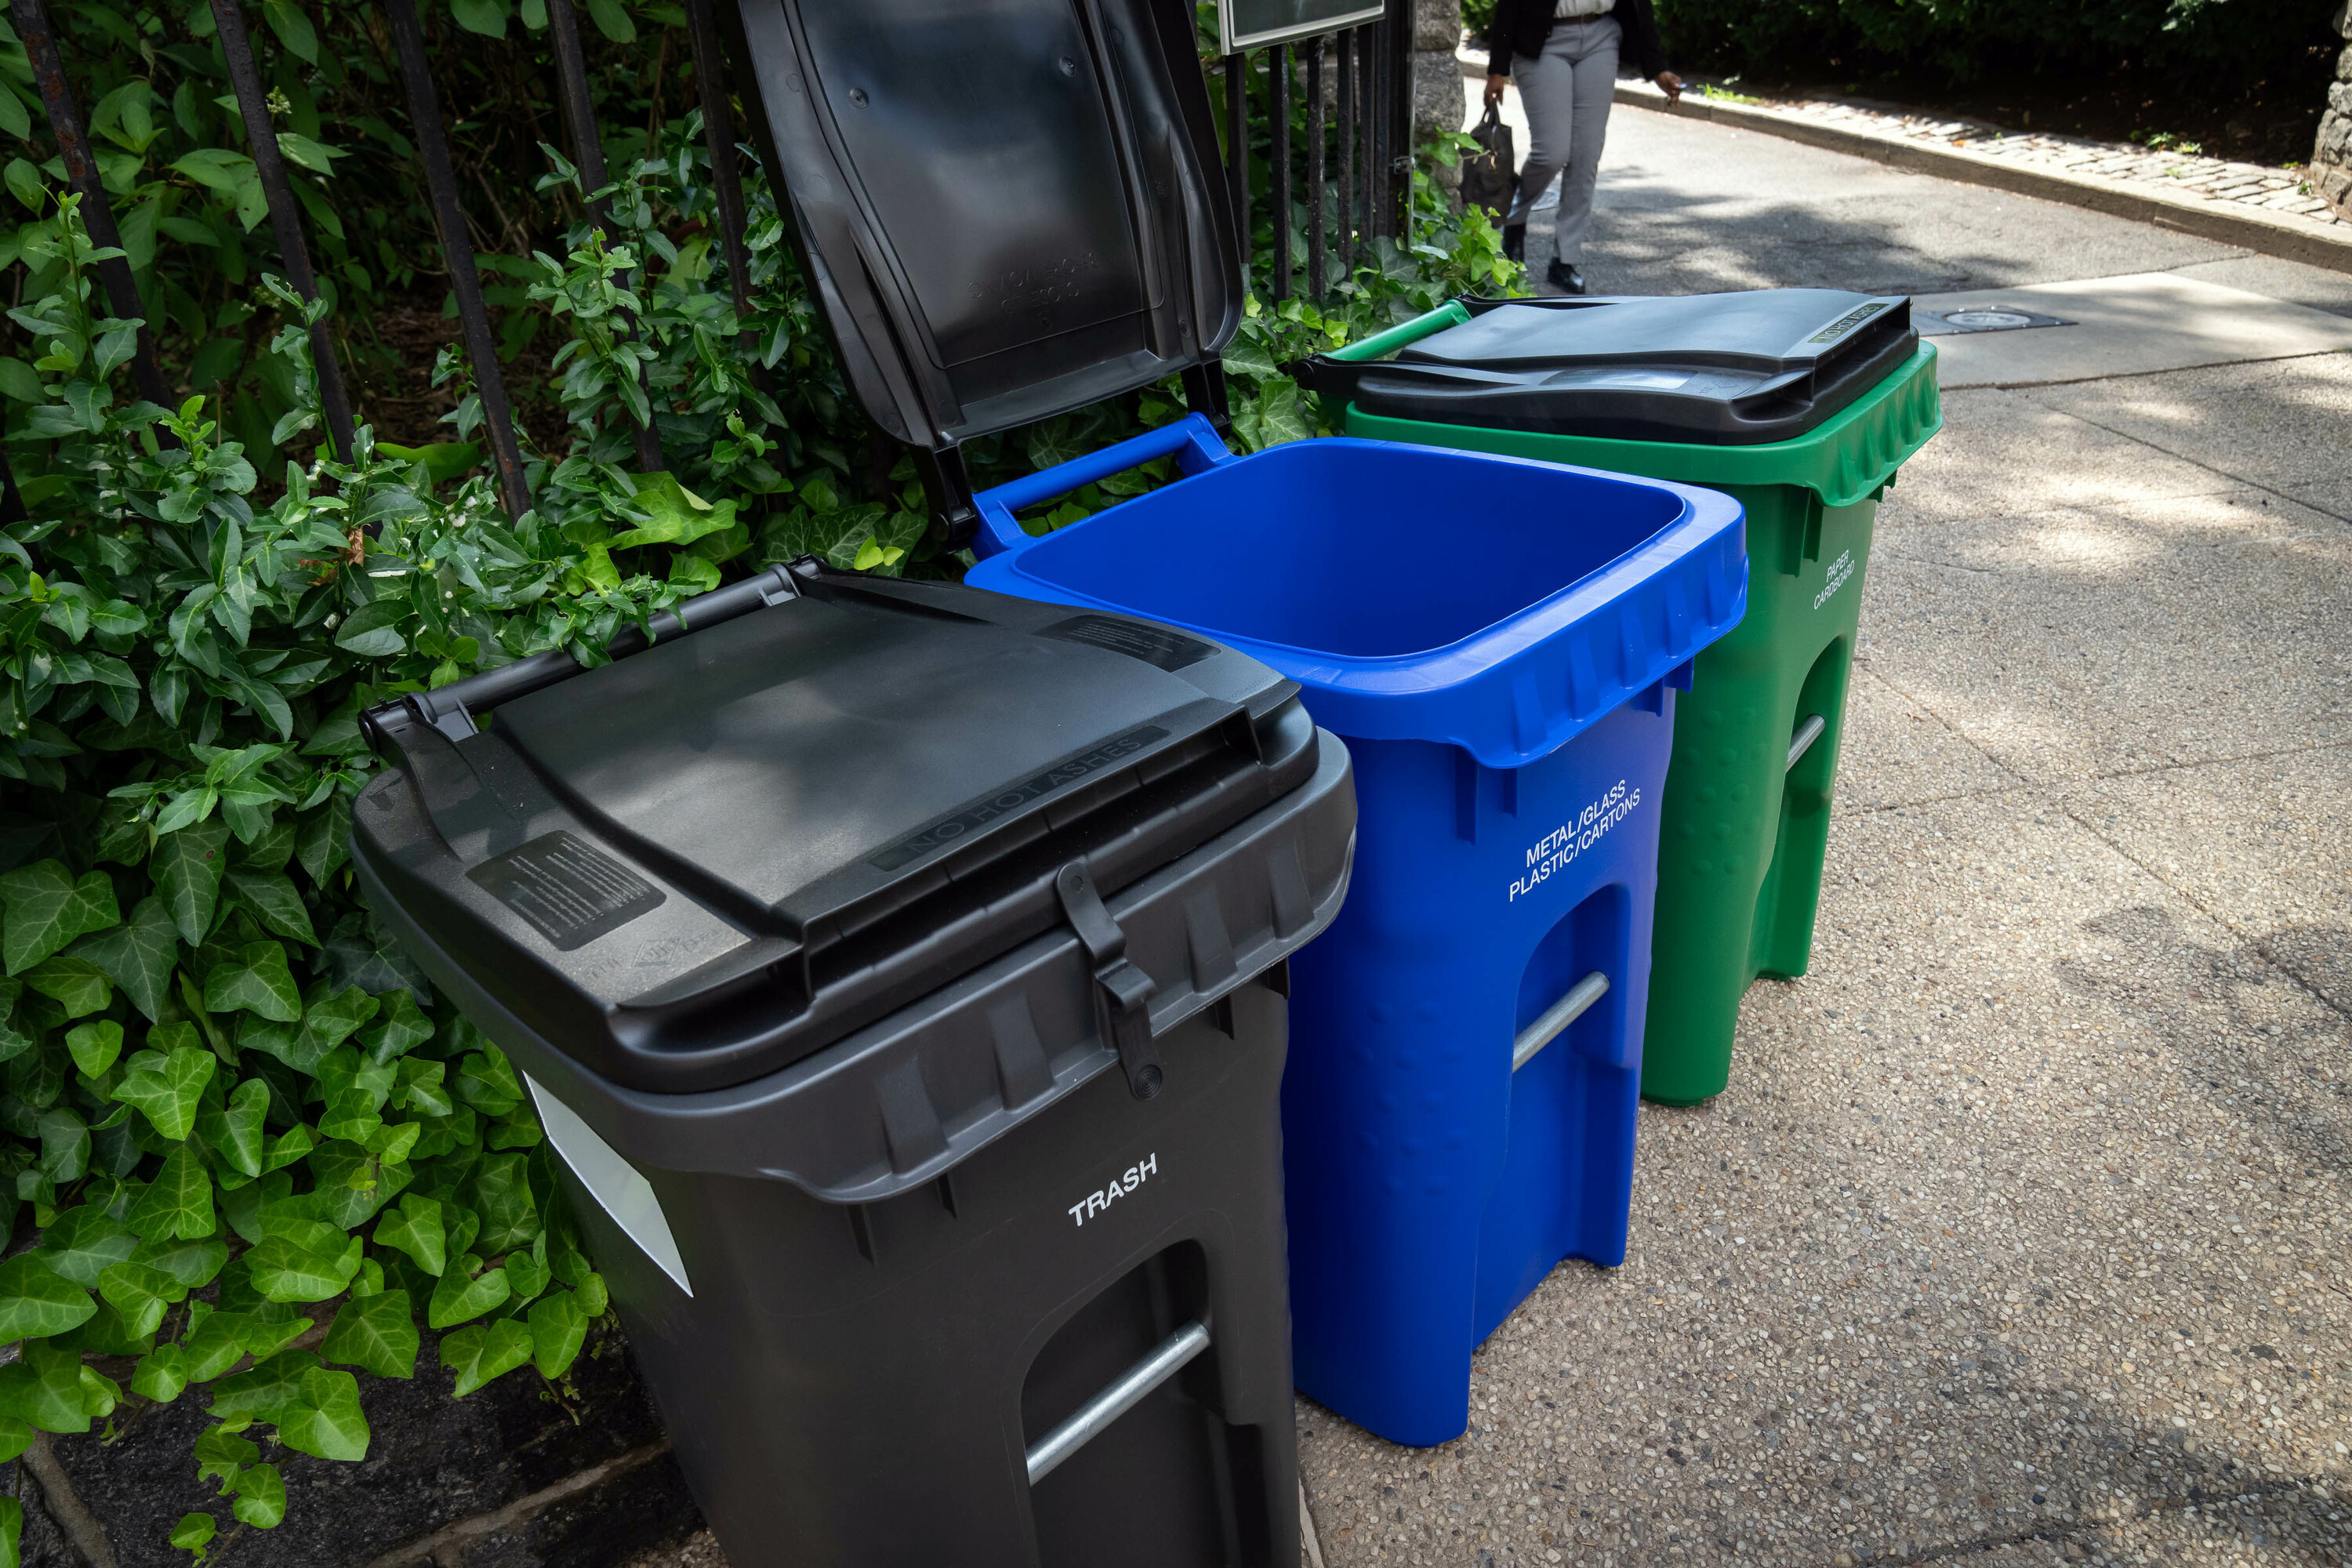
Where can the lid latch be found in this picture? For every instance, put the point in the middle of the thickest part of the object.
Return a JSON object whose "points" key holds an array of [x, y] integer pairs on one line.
{"points": [[1123, 992]]}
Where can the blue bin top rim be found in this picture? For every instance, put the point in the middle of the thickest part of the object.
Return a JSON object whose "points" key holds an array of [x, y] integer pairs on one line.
{"points": [[1519, 688]]}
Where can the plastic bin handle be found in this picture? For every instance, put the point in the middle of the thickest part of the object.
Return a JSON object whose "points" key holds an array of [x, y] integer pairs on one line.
{"points": [[1453, 313], [1192, 439]]}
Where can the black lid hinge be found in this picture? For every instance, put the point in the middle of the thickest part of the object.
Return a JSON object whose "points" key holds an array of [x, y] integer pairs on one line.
{"points": [[946, 486], [1204, 394], [1123, 992]]}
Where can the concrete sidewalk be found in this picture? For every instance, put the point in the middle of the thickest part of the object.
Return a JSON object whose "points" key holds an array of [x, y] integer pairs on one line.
{"points": [[2021, 1235]]}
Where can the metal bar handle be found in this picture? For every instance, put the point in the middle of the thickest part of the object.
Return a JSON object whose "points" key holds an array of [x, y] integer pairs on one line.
{"points": [[1123, 1394], [1807, 734], [1453, 313], [1558, 1017]]}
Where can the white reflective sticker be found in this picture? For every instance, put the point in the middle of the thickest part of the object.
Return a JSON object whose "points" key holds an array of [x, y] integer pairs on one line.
{"points": [[612, 1180]]}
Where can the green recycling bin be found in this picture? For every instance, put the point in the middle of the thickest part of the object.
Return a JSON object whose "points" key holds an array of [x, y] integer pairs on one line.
{"points": [[1799, 402]]}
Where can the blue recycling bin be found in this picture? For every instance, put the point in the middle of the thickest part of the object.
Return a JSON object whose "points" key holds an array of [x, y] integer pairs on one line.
{"points": [[1499, 641]]}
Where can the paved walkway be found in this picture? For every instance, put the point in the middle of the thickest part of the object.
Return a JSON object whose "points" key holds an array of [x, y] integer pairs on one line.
{"points": [[2021, 1234], [2273, 187]]}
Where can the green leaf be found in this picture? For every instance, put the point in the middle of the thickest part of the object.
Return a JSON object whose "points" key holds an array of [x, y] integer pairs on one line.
{"points": [[487, 17], [16, 1434], [94, 1047], [284, 1270], [216, 169], [487, 1082], [195, 1532], [36, 1302], [192, 1263], [458, 1298], [82, 1243], [169, 1086], [485, 1350], [44, 1386], [559, 1327], [46, 908], [162, 1375], [261, 1497], [178, 1204], [415, 1228], [293, 30], [611, 21], [19, 381], [270, 1390], [12, 1512], [73, 984], [138, 955], [443, 460], [187, 866], [322, 838], [65, 1143], [257, 981], [402, 1027], [502, 1196], [526, 1275], [327, 1423], [271, 897], [375, 1334], [220, 1454], [141, 1294], [1281, 417], [1247, 355], [237, 1129], [675, 515], [372, 631]]}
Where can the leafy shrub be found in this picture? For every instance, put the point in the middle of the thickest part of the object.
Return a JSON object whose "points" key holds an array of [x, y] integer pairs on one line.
{"points": [[2217, 43], [245, 1156]]}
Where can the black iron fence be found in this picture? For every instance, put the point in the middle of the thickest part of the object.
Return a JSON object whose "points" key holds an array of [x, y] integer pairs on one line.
{"points": [[1328, 118], [1355, 149]]}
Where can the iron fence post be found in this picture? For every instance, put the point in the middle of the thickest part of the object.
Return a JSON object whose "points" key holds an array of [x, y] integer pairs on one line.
{"points": [[269, 167], [1316, 267], [1347, 126], [588, 155], [96, 215], [1277, 95], [1237, 149], [458, 253]]}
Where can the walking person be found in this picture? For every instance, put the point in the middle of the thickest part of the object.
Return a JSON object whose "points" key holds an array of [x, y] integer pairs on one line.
{"points": [[1564, 55]]}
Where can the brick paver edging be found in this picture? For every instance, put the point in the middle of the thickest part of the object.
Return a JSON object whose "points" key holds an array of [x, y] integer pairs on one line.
{"points": [[1925, 147]]}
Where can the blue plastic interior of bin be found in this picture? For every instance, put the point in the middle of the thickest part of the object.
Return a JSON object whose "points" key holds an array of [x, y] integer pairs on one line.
{"points": [[1498, 603], [1369, 553]]}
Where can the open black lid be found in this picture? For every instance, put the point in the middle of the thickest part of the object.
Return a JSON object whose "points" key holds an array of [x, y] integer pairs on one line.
{"points": [[1008, 208], [699, 864], [1766, 364]]}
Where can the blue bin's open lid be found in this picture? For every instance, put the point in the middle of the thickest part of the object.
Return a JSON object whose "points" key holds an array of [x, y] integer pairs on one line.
{"points": [[1737, 369], [1008, 208]]}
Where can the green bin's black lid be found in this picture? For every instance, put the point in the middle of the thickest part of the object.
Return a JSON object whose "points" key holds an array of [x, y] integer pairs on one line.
{"points": [[1009, 209], [701, 863], [1730, 370]]}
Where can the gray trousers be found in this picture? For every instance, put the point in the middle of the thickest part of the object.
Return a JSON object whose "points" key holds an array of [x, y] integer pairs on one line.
{"points": [[1567, 90]]}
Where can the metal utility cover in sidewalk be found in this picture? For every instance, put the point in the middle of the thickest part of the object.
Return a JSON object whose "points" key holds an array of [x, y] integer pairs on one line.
{"points": [[1992, 318], [2129, 326]]}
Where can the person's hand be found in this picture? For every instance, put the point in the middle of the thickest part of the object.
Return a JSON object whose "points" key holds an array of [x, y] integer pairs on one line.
{"points": [[1494, 86], [1667, 81]]}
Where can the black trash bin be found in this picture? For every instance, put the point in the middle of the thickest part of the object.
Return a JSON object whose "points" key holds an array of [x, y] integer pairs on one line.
{"points": [[899, 970]]}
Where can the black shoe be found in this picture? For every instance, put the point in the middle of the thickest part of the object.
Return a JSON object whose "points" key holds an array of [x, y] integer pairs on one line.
{"points": [[1564, 277], [1515, 241]]}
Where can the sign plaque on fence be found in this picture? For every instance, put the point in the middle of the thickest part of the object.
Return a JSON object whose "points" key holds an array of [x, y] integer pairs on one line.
{"points": [[1255, 24]]}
